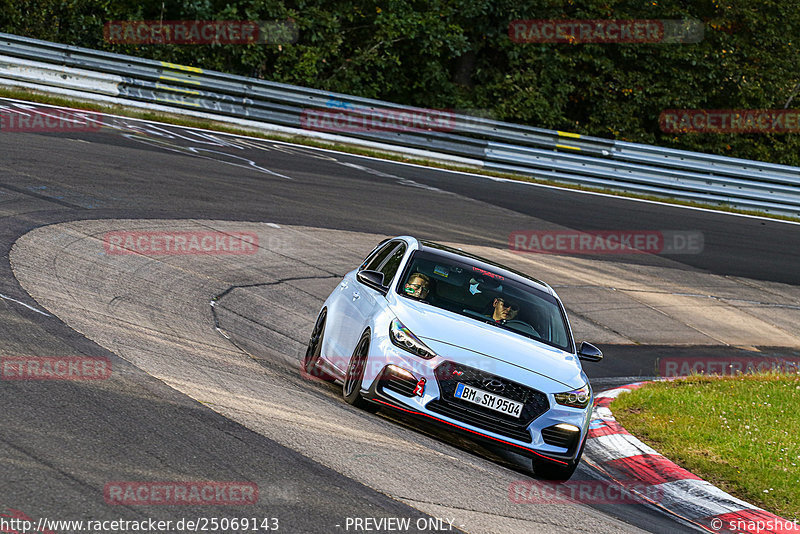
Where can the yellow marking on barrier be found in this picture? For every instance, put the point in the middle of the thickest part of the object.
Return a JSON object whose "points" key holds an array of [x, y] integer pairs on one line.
{"points": [[176, 89], [569, 134], [567, 146], [182, 80], [184, 102], [182, 67]]}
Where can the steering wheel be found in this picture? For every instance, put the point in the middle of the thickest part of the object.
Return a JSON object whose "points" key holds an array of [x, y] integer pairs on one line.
{"points": [[523, 327]]}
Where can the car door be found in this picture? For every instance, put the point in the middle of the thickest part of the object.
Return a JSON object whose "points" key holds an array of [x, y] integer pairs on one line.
{"points": [[364, 299], [339, 342]]}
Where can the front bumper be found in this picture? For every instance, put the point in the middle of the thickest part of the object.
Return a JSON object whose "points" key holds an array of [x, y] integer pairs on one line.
{"points": [[535, 434]]}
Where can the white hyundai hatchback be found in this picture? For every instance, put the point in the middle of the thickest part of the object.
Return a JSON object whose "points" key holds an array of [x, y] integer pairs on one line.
{"points": [[460, 341]]}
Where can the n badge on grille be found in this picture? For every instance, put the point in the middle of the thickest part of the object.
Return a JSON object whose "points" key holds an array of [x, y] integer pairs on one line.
{"points": [[419, 391]]}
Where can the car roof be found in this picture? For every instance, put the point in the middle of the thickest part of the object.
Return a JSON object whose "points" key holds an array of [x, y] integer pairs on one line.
{"points": [[478, 261]]}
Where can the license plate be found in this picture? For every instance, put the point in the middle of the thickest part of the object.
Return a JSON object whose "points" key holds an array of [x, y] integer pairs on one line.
{"points": [[488, 400]]}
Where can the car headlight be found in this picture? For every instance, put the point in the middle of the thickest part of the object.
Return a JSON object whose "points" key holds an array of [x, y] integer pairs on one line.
{"points": [[577, 398], [403, 338]]}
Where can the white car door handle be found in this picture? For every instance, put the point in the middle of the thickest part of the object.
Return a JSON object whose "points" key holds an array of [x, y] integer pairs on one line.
{"points": [[356, 296]]}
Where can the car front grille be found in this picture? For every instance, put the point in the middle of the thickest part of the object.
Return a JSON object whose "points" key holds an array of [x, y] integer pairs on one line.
{"points": [[449, 374]]}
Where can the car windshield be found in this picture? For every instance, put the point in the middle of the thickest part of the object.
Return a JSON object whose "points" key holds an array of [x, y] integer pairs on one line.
{"points": [[483, 295]]}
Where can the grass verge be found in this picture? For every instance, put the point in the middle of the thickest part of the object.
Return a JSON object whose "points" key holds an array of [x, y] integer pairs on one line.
{"points": [[184, 120], [740, 433]]}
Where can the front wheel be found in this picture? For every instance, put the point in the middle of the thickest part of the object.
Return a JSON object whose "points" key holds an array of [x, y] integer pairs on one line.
{"points": [[553, 471], [351, 389]]}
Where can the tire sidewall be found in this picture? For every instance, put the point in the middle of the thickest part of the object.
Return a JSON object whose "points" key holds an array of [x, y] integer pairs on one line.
{"points": [[354, 397], [550, 471], [314, 350]]}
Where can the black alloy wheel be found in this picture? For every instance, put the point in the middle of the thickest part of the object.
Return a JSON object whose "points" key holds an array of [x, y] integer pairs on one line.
{"points": [[351, 389]]}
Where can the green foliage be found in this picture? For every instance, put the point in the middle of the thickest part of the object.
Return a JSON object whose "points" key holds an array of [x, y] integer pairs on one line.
{"points": [[448, 54]]}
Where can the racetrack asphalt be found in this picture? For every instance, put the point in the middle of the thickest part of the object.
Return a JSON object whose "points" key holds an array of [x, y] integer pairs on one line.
{"points": [[63, 441]]}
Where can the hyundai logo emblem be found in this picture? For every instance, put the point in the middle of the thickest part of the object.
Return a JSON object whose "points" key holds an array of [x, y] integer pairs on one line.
{"points": [[493, 384]]}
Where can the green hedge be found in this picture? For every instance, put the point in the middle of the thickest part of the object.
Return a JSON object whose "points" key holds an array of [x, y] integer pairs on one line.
{"points": [[457, 55]]}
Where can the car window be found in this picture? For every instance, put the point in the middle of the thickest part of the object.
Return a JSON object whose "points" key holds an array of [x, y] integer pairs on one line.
{"points": [[392, 263], [373, 262]]}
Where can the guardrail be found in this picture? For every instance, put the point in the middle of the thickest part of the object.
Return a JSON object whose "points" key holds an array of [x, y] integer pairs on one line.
{"points": [[537, 152]]}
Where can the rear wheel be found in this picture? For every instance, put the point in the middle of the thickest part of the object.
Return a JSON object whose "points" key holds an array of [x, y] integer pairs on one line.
{"points": [[351, 389], [311, 359]]}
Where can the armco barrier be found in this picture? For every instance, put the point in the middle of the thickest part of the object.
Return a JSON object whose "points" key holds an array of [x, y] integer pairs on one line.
{"points": [[537, 152]]}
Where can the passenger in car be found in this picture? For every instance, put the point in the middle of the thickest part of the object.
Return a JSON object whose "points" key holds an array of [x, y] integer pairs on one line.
{"points": [[418, 285]]}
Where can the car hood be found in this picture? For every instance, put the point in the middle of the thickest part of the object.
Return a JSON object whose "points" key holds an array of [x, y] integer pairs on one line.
{"points": [[434, 324]]}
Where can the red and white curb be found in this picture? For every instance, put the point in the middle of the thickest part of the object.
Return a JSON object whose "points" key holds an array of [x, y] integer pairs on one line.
{"points": [[628, 461]]}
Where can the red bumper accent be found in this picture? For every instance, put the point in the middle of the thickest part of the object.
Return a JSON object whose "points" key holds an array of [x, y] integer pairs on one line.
{"points": [[414, 412]]}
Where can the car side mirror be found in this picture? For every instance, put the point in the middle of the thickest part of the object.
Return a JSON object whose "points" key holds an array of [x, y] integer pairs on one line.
{"points": [[373, 279], [589, 352]]}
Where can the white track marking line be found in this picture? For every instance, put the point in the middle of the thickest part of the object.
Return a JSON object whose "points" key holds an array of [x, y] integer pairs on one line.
{"points": [[5, 297]]}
